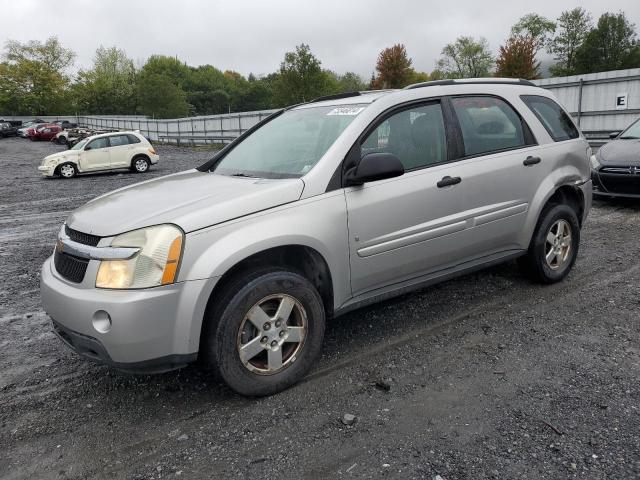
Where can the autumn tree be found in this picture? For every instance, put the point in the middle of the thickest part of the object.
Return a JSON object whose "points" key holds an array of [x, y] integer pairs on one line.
{"points": [[612, 45], [517, 58], [537, 27], [466, 58], [393, 67]]}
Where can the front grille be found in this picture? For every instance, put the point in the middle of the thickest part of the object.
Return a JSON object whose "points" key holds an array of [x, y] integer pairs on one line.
{"points": [[80, 237], [70, 267], [625, 180]]}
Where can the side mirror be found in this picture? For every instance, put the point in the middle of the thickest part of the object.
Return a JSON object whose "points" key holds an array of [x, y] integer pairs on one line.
{"points": [[613, 135], [88, 147], [375, 166]]}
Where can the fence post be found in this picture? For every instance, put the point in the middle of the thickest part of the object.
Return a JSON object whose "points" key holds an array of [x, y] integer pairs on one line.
{"points": [[580, 101]]}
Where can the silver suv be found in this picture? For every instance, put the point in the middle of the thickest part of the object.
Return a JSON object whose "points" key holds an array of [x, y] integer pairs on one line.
{"points": [[320, 209]]}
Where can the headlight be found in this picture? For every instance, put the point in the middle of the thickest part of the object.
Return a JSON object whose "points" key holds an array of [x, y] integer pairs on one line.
{"points": [[50, 162], [594, 162], [156, 263]]}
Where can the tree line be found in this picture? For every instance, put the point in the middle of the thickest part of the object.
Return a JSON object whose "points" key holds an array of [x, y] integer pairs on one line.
{"points": [[34, 77]]}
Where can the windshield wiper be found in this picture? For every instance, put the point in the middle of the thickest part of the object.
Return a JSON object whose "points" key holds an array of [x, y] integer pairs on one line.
{"points": [[240, 174]]}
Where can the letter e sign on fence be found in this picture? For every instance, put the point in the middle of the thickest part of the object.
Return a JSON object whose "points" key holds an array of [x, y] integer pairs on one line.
{"points": [[621, 101]]}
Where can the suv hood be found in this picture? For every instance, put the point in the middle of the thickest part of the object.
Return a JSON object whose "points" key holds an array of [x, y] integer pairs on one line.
{"points": [[620, 152], [191, 200]]}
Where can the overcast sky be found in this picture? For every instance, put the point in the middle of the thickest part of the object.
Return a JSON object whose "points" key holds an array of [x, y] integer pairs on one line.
{"points": [[253, 36]]}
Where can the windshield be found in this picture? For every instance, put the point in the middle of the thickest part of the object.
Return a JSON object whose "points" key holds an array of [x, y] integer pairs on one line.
{"points": [[633, 131], [289, 145], [80, 144]]}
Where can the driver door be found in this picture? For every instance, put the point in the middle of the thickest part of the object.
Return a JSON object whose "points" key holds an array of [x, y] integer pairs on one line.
{"points": [[95, 155]]}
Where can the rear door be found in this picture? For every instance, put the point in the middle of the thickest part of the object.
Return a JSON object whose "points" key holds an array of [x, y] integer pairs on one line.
{"points": [[120, 151], [95, 155], [500, 171]]}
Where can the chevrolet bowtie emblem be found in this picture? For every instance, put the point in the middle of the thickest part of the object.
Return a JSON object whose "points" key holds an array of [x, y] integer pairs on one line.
{"points": [[59, 246]]}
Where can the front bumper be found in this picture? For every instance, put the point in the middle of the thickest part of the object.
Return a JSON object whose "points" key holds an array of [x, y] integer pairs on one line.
{"points": [[587, 195], [154, 159], [616, 185], [151, 330], [47, 171]]}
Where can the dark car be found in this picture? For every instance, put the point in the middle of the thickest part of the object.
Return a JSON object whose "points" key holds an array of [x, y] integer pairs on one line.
{"points": [[65, 124], [8, 130], [615, 168]]}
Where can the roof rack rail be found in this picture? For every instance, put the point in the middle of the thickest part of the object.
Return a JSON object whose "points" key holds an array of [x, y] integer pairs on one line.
{"points": [[464, 81], [336, 96]]}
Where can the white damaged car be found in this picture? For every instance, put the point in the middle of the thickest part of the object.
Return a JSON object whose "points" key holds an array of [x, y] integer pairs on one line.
{"points": [[109, 151]]}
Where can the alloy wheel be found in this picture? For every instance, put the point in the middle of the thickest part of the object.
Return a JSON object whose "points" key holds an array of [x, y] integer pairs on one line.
{"points": [[558, 244], [272, 334]]}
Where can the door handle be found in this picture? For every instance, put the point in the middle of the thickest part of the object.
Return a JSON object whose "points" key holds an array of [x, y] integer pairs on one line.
{"points": [[447, 181], [531, 161]]}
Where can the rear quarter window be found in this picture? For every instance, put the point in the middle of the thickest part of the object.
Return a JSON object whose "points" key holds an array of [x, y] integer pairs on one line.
{"points": [[554, 119]]}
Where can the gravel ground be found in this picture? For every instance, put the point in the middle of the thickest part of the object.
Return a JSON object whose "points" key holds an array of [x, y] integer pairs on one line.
{"points": [[486, 376]]}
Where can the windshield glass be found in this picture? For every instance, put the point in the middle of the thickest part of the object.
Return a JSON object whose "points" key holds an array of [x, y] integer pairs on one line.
{"points": [[633, 131], [290, 144], [80, 144]]}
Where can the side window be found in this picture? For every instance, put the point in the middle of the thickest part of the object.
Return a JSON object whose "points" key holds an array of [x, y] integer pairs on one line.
{"points": [[133, 139], [118, 140], [102, 142], [415, 135], [488, 124], [552, 116]]}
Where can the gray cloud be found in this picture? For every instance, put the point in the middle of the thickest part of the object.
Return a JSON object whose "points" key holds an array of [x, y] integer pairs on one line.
{"points": [[253, 36]]}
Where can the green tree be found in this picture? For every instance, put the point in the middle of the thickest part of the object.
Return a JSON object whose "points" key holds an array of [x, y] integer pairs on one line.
{"points": [[612, 45], [109, 86], [350, 82], [517, 58], [393, 67], [539, 28], [573, 28], [33, 78], [160, 97], [301, 77], [466, 58]]}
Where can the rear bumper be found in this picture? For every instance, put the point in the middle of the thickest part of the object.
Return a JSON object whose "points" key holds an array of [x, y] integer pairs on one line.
{"points": [[587, 194]]}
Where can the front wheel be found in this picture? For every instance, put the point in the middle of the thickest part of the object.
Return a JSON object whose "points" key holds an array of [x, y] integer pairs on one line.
{"points": [[554, 246], [265, 332], [67, 170]]}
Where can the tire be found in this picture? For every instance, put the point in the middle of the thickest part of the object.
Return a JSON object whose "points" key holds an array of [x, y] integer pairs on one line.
{"points": [[140, 164], [556, 236], [229, 330], [62, 140], [67, 170]]}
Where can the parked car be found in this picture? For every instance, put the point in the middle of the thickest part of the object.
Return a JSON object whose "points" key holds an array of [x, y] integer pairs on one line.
{"points": [[22, 131], [111, 151], [65, 124], [8, 130], [72, 136], [615, 168], [45, 131], [13, 123], [319, 209]]}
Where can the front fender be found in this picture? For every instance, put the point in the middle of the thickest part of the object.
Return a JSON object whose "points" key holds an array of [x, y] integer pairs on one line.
{"points": [[319, 223]]}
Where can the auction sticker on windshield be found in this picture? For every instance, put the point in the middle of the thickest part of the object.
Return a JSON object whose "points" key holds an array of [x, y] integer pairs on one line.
{"points": [[347, 111]]}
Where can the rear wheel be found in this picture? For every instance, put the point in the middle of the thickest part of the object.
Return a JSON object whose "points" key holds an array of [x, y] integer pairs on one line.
{"points": [[554, 246], [265, 332], [67, 170], [140, 164]]}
